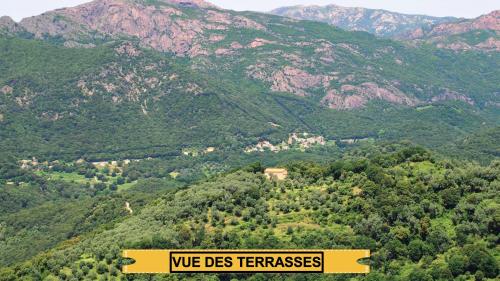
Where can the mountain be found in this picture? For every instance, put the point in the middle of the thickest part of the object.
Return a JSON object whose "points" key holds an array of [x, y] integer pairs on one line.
{"points": [[149, 124], [135, 79], [379, 22], [482, 33]]}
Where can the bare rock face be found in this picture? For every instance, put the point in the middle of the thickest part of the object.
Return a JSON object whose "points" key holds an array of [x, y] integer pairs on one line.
{"points": [[6, 21], [8, 25], [128, 49], [448, 94], [289, 79], [258, 42], [164, 28], [335, 100], [351, 96], [491, 43], [6, 90], [295, 80], [218, 17], [155, 27], [216, 38]]}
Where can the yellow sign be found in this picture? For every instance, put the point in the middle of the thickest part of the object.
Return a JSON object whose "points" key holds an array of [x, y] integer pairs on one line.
{"points": [[246, 261]]}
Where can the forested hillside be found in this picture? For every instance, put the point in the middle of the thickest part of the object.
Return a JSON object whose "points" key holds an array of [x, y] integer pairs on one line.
{"points": [[424, 219], [83, 82], [149, 123], [483, 146]]}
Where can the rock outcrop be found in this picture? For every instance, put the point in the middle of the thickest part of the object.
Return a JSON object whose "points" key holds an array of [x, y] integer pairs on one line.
{"points": [[161, 27], [351, 96], [8, 25], [6, 90], [448, 94], [290, 79]]}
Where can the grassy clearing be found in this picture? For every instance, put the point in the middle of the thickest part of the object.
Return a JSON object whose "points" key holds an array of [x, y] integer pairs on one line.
{"points": [[81, 179], [67, 177], [126, 186]]}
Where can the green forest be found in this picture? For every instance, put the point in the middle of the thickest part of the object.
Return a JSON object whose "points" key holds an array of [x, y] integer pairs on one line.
{"points": [[423, 217], [149, 124]]}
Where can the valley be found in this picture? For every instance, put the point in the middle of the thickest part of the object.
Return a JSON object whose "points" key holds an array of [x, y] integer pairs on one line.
{"points": [[166, 124]]}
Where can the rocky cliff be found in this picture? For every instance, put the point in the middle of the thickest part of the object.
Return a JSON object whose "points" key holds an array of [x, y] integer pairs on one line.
{"points": [[163, 26]]}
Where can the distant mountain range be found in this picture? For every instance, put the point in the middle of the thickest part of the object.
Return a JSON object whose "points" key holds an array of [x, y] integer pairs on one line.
{"points": [[379, 22], [481, 33]]}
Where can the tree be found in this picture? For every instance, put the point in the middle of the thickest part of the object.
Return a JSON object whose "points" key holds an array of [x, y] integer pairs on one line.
{"points": [[419, 275], [375, 276], [439, 239], [100, 186], [479, 276], [254, 168], [102, 267], [396, 249], [481, 260], [457, 264], [120, 181], [105, 171], [90, 174], [451, 197], [363, 242], [417, 249], [439, 270]]}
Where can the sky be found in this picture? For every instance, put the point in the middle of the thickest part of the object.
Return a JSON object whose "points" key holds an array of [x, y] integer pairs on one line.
{"points": [[18, 9]]}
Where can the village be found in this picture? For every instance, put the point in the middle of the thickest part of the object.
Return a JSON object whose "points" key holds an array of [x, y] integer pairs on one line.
{"points": [[302, 142]]}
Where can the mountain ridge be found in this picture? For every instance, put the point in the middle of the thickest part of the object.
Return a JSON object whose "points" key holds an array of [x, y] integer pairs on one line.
{"points": [[376, 21], [481, 33], [490, 21], [457, 34]]}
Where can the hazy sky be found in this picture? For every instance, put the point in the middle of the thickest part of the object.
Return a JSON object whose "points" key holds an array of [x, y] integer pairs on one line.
{"points": [[19, 9]]}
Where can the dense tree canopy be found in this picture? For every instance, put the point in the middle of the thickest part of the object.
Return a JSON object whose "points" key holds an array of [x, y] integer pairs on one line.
{"points": [[424, 218]]}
